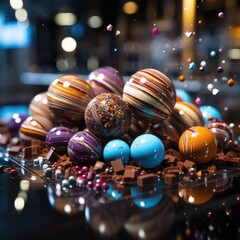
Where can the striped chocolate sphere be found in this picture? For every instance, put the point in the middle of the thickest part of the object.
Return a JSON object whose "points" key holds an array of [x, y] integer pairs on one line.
{"points": [[35, 127], [106, 80], [39, 106], [185, 115], [222, 131], [150, 94], [198, 144], [68, 97], [84, 148]]}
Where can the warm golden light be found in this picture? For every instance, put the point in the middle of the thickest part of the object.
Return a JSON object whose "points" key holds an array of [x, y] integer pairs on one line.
{"points": [[16, 4], [130, 7], [65, 19], [68, 44]]}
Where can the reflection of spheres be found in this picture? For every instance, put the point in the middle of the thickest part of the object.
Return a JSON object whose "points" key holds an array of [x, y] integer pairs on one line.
{"points": [[198, 144], [148, 201], [151, 223], [197, 194], [107, 218]]}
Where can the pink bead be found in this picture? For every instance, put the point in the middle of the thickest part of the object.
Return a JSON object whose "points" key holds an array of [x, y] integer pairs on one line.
{"points": [[90, 184], [104, 186], [155, 31], [98, 186], [84, 169]]}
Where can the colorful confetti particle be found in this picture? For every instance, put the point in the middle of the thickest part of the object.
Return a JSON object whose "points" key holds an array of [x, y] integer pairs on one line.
{"points": [[203, 63], [215, 91], [230, 82], [212, 53], [188, 34], [117, 32], [155, 31], [220, 70], [192, 65], [221, 15], [198, 101], [181, 78], [109, 27]]}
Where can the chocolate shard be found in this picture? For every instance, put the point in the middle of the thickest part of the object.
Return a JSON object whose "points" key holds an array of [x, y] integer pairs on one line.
{"points": [[118, 166], [27, 152], [146, 179], [129, 176], [65, 163], [99, 166], [172, 170], [52, 156], [189, 164]]}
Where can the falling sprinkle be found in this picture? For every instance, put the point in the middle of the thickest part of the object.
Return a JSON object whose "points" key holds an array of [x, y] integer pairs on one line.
{"points": [[117, 32], [115, 50], [155, 31], [203, 63], [210, 87], [109, 27], [192, 65], [238, 197], [220, 70], [174, 49], [228, 211], [225, 108], [181, 78], [199, 21], [198, 101], [221, 15], [201, 68], [223, 61], [212, 53], [215, 91], [230, 82], [188, 34]]}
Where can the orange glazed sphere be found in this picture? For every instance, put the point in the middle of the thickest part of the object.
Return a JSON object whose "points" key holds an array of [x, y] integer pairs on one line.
{"points": [[198, 144]]}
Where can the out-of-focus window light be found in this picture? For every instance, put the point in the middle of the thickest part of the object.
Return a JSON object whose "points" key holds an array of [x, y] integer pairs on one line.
{"points": [[16, 4], [92, 63], [234, 54], [65, 19], [69, 44], [21, 15], [95, 22], [130, 7], [19, 203]]}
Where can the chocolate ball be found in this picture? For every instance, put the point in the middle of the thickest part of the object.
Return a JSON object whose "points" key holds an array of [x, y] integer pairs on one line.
{"points": [[108, 116], [15, 122]]}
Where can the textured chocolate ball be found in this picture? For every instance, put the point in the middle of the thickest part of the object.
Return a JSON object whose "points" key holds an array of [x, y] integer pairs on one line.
{"points": [[150, 94], [106, 80], [58, 137], [198, 144], [84, 148], [35, 127], [68, 97], [108, 116], [39, 106]]}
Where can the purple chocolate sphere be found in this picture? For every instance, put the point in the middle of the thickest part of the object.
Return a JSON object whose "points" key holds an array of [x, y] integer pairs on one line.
{"points": [[106, 80], [58, 137], [84, 148], [15, 122], [108, 116]]}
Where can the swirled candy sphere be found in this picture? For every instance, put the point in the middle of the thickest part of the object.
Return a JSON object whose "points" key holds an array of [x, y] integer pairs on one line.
{"points": [[150, 94], [116, 149], [68, 97], [209, 113], [108, 116], [106, 80], [185, 115], [222, 131], [198, 144], [58, 137], [35, 127], [147, 151], [39, 106], [84, 148], [15, 122]]}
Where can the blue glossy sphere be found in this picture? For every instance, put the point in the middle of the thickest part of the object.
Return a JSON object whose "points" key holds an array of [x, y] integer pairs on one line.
{"points": [[209, 113], [116, 149], [183, 95], [147, 151]]}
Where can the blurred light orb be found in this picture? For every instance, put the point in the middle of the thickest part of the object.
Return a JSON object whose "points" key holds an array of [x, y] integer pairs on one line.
{"points": [[130, 7], [68, 44], [95, 22]]}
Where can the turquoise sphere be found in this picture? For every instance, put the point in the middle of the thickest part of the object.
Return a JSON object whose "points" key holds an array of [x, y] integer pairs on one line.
{"points": [[116, 149], [147, 151], [210, 112], [183, 95]]}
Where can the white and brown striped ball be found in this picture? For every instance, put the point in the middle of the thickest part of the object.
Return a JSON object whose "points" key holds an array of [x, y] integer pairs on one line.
{"points": [[39, 106], [35, 127], [150, 94], [106, 80], [68, 97], [185, 115]]}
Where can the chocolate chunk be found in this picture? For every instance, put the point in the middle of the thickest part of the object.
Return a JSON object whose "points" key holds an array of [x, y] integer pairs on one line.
{"points": [[146, 179], [171, 170], [170, 179], [27, 152], [129, 176], [182, 167], [118, 167], [129, 167], [65, 163], [14, 150], [52, 156], [104, 176], [189, 164], [99, 166]]}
